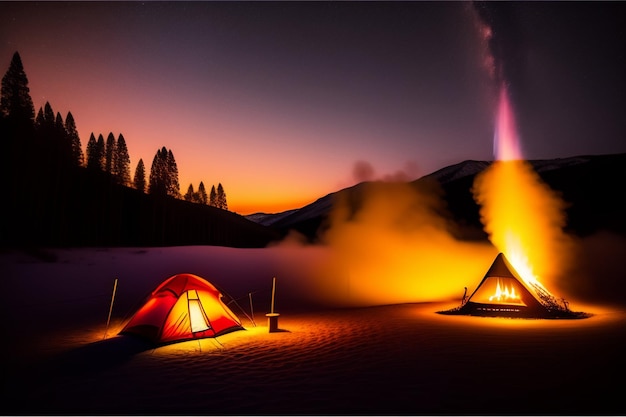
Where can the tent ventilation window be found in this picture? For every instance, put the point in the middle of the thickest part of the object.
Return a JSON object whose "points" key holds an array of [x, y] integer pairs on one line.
{"points": [[197, 317]]}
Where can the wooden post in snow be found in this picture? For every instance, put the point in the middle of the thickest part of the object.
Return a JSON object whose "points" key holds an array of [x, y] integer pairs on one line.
{"points": [[273, 294], [272, 318]]}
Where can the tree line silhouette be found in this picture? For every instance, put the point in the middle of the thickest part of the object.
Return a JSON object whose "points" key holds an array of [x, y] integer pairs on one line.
{"points": [[59, 196], [217, 198], [111, 156]]}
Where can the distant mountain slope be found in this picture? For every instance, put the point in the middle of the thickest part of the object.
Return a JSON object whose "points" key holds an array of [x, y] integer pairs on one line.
{"points": [[266, 219], [592, 185]]}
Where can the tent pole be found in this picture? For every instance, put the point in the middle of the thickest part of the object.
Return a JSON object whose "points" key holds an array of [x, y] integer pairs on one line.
{"points": [[243, 311], [251, 308], [110, 309]]}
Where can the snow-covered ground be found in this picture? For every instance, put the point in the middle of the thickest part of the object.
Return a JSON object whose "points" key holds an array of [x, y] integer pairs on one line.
{"points": [[342, 348]]}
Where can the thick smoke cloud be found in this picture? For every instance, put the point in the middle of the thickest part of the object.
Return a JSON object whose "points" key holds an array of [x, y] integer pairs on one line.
{"points": [[390, 244]]}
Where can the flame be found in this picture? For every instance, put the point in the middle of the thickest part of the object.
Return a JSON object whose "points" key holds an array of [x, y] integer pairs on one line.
{"points": [[505, 295], [523, 217]]}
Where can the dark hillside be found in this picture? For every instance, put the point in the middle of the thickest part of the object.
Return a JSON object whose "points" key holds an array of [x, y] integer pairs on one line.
{"points": [[596, 191], [78, 207]]}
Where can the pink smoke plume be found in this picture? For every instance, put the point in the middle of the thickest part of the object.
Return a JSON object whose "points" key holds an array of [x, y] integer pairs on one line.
{"points": [[506, 143]]}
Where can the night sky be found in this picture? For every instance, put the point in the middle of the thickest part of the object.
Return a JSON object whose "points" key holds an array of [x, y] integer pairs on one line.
{"points": [[285, 102]]}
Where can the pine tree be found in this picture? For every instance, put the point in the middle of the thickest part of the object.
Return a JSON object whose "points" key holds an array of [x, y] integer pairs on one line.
{"points": [[92, 152], [109, 156], [62, 142], [157, 181], [121, 162], [15, 101], [221, 197], [173, 188], [47, 132], [202, 197], [78, 158], [189, 195], [48, 115], [59, 125], [22, 157], [45, 121], [100, 149], [39, 120], [140, 177], [213, 197], [164, 174], [60, 135]]}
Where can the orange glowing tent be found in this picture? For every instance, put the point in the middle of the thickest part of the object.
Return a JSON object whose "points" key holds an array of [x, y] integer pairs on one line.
{"points": [[502, 292], [183, 307]]}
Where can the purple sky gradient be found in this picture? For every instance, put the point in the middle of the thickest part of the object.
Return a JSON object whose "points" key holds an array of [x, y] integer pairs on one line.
{"points": [[285, 102]]}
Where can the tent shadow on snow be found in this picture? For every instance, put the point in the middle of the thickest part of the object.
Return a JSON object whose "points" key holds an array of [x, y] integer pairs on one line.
{"points": [[99, 356]]}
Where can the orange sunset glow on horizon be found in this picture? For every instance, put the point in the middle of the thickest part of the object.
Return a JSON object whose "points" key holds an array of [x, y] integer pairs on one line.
{"points": [[279, 102]]}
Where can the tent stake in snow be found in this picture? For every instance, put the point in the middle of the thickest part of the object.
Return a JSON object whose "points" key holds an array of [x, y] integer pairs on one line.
{"points": [[272, 318], [110, 309]]}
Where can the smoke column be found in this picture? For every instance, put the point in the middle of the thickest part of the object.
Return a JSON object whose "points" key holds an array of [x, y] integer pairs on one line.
{"points": [[523, 217], [506, 146]]}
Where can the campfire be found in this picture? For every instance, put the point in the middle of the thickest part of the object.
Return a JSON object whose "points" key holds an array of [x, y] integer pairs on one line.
{"points": [[524, 219], [504, 293]]}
